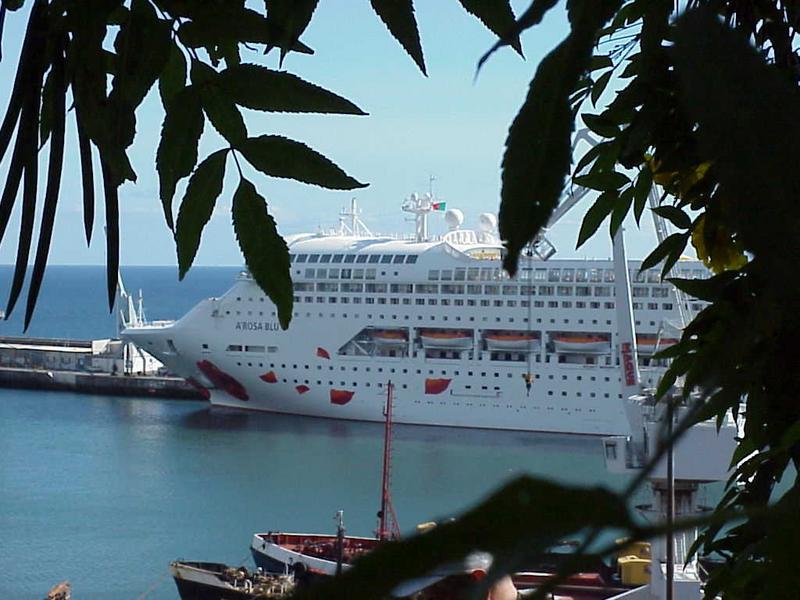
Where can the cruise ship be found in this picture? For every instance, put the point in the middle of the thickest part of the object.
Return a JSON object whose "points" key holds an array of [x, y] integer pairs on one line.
{"points": [[464, 344]]}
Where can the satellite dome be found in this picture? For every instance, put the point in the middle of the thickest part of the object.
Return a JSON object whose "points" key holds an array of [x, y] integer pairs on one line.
{"points": [[488, 222], [454, 218]]}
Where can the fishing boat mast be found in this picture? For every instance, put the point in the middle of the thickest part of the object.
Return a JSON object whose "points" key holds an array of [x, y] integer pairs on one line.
{"points": [[388, 528]]}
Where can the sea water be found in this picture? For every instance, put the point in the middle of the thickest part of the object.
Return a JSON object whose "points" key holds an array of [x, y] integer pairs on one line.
{"points": [[105, 491]]}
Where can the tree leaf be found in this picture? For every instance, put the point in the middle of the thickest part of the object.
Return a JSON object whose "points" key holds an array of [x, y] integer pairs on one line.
{"points": [[259, 88], [538, 147], [705, 289], [265, 251], [173, 77], [601, 208], [674, 215], [111, 193], [290, 18], [218, 106], [641, 189], [143, 47], [757, 157], [621, 209], [600, 85], [533, 15], [54, 169], [602, 181], [197, 206], [87, 176], [497, 16], [217, 24], [278, 156], [29, 127], [676, 240], [46, 114], [398, 16], [600, 125], [177, 150]]}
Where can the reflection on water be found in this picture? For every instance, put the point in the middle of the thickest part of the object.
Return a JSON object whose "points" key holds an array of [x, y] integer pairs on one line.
{"points": [[105, 485]]}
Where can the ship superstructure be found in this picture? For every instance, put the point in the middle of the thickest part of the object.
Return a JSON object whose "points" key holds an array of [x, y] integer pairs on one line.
{"points": [[467, 345]]}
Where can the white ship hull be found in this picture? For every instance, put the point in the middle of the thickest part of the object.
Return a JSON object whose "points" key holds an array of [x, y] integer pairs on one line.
{"points": [[329, 364]]}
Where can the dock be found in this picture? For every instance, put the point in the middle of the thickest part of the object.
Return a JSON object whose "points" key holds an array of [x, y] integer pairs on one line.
{"points": [[108, 367]]}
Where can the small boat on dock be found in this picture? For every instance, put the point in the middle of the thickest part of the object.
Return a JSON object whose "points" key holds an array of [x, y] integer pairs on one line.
{"points": [[217, 581], [390, 337]]}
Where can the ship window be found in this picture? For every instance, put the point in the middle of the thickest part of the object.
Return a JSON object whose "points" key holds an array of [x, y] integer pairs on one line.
{"points": [[411, 259], [484, 303], [509, 290], [498, 303], [460, 274], [322, 273], [325, 258], [205, 346], [386, 259], [398, 259], [660, 292], [608, 276], [373, 258], [447, 275], [433, 275], [333, 273], [565, 290], [346, 273], [312, 258], [554, 275], [233, 348], [491, 289], [254, 349], [349, 258], [568, 275], [545, 290], [652, 306], [580, 275], [639, 292], [602, 290], [583, 290], [473, 274], [369, 274], [486, 274], [667, 306], [540, 275], [301, 258], [653, 277], [595, 275], [337, 258]]}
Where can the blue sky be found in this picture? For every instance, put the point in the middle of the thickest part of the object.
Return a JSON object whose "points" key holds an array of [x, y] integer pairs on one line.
{"points": [[447, 125]]}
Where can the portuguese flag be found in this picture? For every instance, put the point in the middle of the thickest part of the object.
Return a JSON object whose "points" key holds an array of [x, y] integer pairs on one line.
{"points": [[439, 206]]}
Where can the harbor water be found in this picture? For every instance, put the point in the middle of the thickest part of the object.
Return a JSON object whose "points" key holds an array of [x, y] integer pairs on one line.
{"points": [[106, 491]]}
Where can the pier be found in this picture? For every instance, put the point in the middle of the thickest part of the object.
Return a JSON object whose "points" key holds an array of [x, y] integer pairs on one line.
{"points": [[109, 367]]}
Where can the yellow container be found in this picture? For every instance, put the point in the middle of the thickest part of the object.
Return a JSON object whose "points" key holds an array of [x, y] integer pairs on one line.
{"points": [[634, 570]]}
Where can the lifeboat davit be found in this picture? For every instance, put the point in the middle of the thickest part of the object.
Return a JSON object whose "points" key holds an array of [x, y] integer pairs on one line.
{"points": [[459, 340], [512, 341], [581, 343], [387, 337], [647, 344]]}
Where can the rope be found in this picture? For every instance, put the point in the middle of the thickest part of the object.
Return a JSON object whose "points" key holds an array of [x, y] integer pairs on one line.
{"points": [[153, 587]]}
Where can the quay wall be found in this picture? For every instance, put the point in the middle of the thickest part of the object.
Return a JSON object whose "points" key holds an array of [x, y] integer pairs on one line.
{"points": [[98, 383]]}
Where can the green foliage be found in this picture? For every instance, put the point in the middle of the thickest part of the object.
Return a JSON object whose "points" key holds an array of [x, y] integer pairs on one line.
{"points": [[265, 251], [538, 148], [278, 156], [398, 16], [197, 205]]}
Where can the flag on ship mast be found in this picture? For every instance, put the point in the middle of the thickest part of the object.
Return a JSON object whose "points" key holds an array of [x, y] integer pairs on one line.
{"points": [[439, 206]]}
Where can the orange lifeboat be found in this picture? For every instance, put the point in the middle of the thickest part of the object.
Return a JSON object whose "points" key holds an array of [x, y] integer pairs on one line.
{"points": [[451, 339], [389, 337], [650, 344], [581, 343], [511, 340]]}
